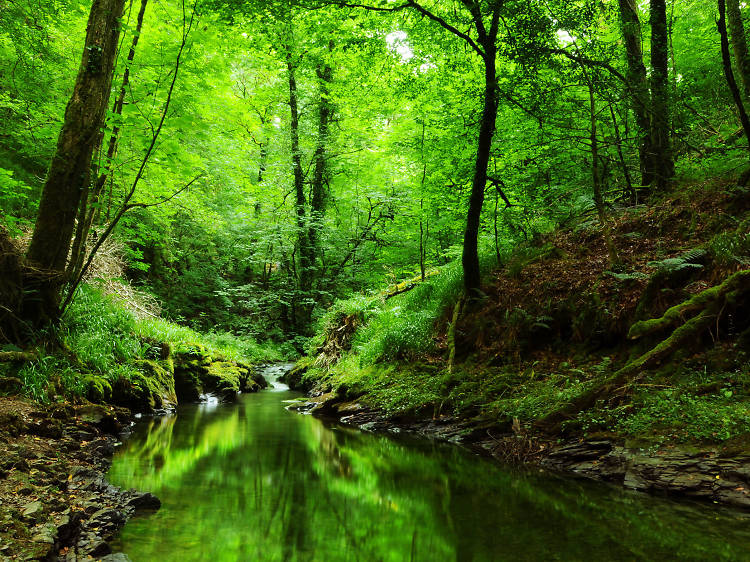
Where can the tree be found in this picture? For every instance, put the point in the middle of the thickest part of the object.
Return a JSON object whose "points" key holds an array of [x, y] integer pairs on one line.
{"points": [[484, 20], [731, 81], [739, 42], [661, 144], [69, 171], [637, 84]]}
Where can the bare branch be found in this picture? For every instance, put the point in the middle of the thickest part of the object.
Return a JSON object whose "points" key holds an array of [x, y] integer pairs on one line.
{"points": [[423, 11]]}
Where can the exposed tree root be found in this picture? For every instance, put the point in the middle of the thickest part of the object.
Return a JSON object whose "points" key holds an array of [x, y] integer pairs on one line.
{"points": [[707, 308], [10, 356]]}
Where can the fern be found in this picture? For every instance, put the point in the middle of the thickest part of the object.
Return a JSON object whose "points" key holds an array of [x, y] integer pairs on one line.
{"points": [[685, 261]]}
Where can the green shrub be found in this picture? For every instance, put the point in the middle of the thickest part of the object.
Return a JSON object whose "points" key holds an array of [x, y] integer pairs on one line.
{"points": [[405, 324], [732, 247]]}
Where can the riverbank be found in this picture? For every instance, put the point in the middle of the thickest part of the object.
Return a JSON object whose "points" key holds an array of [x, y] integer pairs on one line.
{"points": [[55, 502], [718, 474], [620, 353]]}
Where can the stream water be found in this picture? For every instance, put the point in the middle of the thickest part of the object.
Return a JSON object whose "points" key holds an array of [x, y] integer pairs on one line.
{"points": [[254, 482]]}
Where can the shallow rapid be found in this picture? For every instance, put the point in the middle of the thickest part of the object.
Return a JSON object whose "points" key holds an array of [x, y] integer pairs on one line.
{"points": [[253, 481]]}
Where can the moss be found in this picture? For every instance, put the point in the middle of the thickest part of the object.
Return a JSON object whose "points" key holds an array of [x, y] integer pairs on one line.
{"points": [[225, 377], [728, 291], [158, 380], [97, 388]]}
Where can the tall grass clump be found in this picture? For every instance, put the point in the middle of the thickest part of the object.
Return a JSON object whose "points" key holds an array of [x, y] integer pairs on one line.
{"points": [[406, 324], [100, 331]]}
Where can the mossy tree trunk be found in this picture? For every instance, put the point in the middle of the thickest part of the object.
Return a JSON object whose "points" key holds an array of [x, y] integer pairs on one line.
{"points": [[300, 202], [661, 145], [89, 207], [638, 84], [729, 75], [320, 170], [739, 43], [69, 171]]}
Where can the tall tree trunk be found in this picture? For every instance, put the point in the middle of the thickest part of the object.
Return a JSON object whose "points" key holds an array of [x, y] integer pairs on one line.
{"points": [[739, 42], [90, 202], [660, 103], [70, 168], [638, 84], [596, 176], [302, 317], [318, 196], [470, 256], [632, 193], [731, 82]]}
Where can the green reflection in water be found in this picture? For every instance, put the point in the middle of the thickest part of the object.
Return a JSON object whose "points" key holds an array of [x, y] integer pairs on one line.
{"points": [[254, 482]]}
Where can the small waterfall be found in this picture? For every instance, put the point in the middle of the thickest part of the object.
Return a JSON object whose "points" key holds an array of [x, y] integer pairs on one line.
{"points": [[272, 374]]}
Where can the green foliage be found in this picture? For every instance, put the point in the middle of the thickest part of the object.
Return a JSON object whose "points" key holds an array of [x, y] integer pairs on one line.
{"points": [[732, 247], [686, 261], [106, 342], [405, 325], [101, 332], [675, 416]]}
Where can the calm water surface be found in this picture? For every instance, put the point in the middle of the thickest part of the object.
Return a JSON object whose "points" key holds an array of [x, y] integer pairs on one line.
{"points": [[252, 481]]}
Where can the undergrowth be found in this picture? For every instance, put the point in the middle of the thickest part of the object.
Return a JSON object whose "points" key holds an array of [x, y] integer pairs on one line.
{"points": [[104, 341], [403, 326], [555, 327]]}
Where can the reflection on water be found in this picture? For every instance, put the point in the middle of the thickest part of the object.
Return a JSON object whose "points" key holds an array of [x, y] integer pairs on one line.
{"points": [[254, 482]]}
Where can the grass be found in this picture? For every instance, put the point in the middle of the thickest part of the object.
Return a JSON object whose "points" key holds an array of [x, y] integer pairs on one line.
{"points": [[104, 342], [402, 326]]}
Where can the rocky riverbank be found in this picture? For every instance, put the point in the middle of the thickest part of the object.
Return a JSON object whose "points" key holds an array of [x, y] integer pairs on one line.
{"points": [[55, 503], [717, 474]]}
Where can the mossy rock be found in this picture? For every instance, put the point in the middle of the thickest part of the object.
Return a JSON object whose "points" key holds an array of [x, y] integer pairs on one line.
{"points": [[193, 352], [97, 388], [195, 374], [189, 370], [295, 378], [228, 378], [159, 379], [10, 385], [150, 388], [188, 382]]}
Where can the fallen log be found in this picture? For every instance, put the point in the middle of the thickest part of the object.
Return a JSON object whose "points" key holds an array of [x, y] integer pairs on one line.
{"points": [[707, 308]]}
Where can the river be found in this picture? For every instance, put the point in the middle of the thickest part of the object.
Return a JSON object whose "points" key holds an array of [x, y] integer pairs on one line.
{"points": [[252, 481]]}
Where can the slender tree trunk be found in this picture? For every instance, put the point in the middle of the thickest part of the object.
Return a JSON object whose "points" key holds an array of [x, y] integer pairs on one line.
{"points": [[739, 43], [621, 157], [470, 257], [90, 201], [262, 161], [302, 312], [660, 103], [596, 177], [318, 196], [638, 82], [729, 74], [70, 168], [423, 236]]}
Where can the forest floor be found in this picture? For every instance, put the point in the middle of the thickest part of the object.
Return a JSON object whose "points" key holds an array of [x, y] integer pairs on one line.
{"points": [[563, 364]]}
